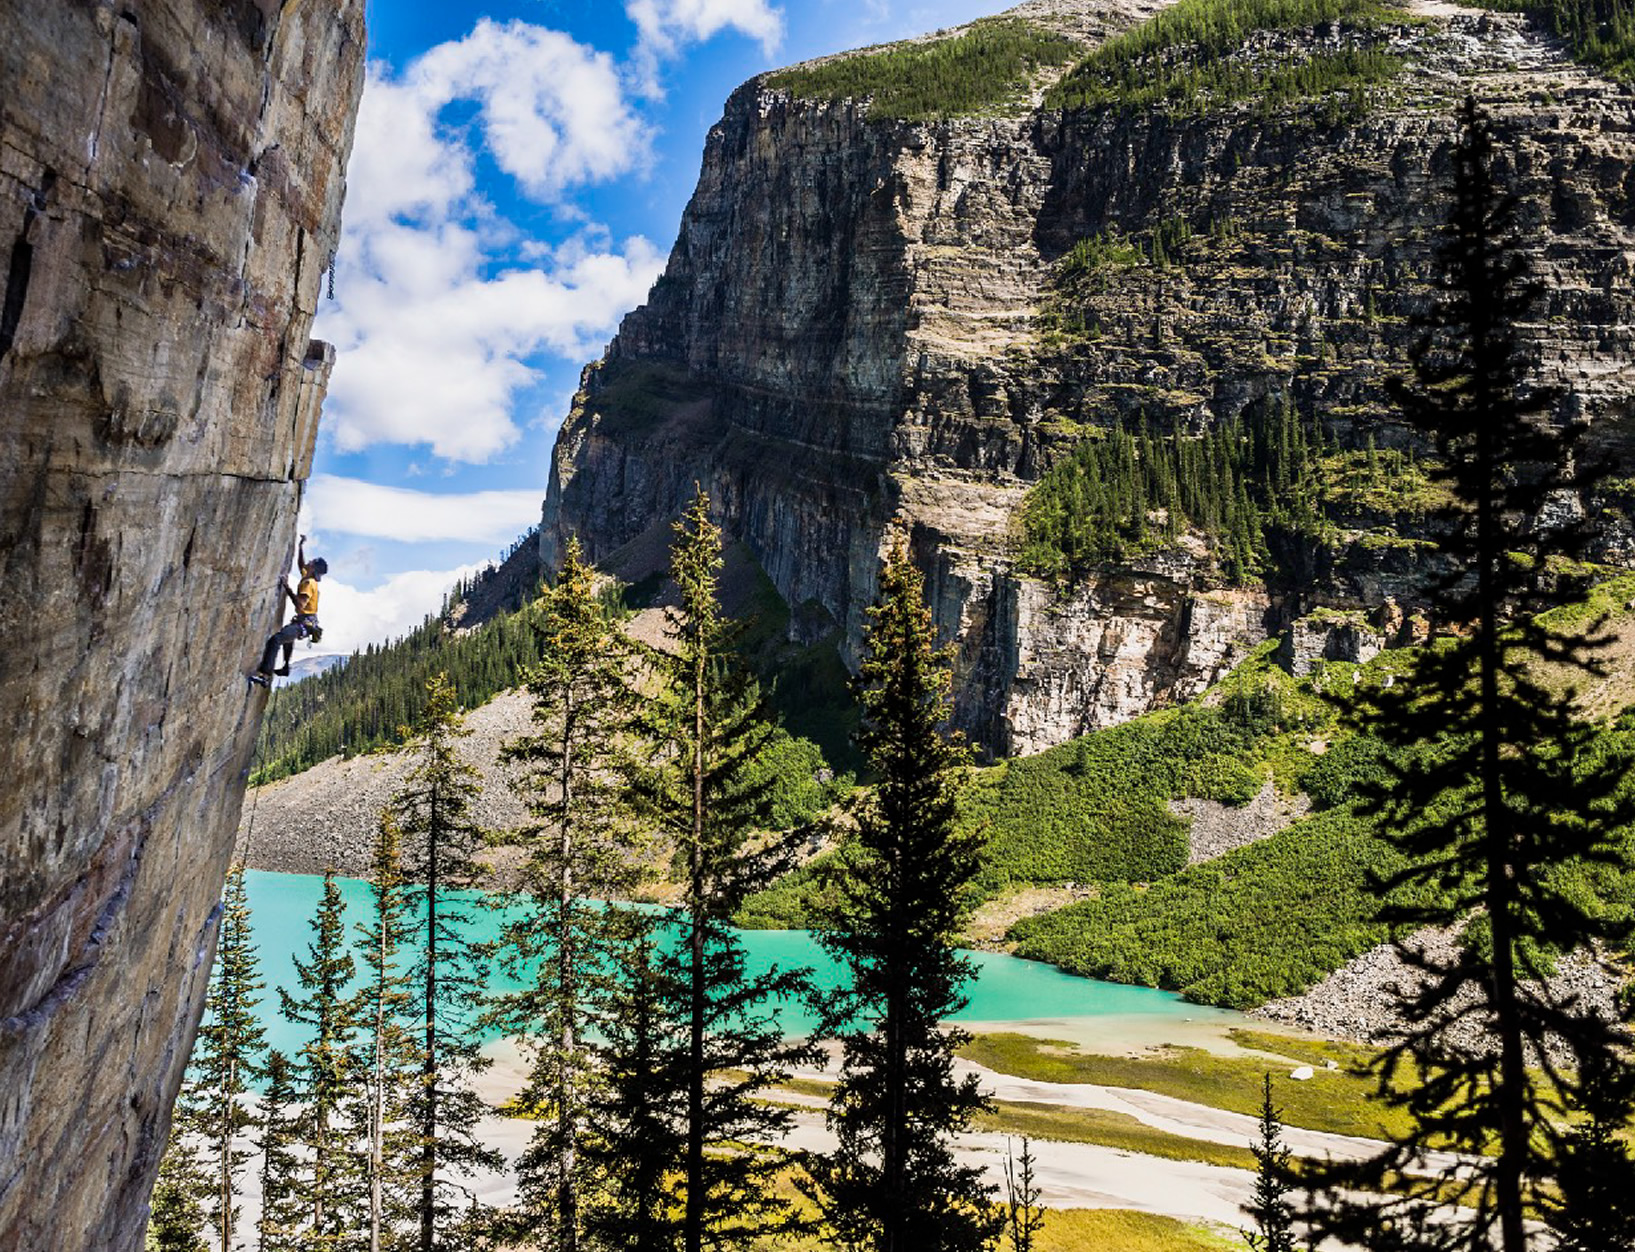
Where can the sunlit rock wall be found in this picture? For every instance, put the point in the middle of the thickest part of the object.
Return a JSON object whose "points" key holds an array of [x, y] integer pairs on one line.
{"points": [[171, 174], [846, 341]]}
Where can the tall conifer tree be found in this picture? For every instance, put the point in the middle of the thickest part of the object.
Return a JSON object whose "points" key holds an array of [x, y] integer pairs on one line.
{"points": [[1269, 1206], [893, 1184], [176, 1219], [578, 846], [441, 839], [283, 1211], [1497, 785], [710, 802], [638, 1109], [328, 1074], [227, 1057], [390, 1061]]}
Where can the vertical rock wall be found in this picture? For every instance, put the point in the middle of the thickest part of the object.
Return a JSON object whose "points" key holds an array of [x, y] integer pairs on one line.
{"points": [[861, 327], [171, 174]]}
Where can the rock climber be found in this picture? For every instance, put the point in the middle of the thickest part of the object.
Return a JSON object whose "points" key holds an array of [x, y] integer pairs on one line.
{"points": [[305, 625]]}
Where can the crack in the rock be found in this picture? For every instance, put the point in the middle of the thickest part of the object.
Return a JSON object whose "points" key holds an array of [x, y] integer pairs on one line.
{"points": [[21, 267], [17, 275], [61, 991]]}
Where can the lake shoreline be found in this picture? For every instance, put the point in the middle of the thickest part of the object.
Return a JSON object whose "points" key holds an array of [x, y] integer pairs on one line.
{"points": [[1009, 993]]}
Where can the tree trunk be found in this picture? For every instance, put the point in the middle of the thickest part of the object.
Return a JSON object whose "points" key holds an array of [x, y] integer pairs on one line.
{"points": [[567, 1199], [428, 1126], [320, 1167], [377, 1110], [694, 1232], [1496, 834], [226, 1160], [896, 1076]]}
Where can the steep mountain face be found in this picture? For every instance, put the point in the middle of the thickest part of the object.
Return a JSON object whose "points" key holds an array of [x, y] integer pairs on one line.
{"points": [[870, 323], [171, 174]]}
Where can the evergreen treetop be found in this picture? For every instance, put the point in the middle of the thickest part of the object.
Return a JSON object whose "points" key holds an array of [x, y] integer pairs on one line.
{"points": [[569, 769], [283, 1209], [892, 1183], [1494, 783], [226, 1058], [433, 815], [1270, 1207], [176, 1219], [704, 792], [579, 844], [328, 1079]]}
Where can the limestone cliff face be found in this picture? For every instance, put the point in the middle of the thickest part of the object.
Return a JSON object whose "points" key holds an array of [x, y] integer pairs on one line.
{"points": [[847, 338], [171, 174]]}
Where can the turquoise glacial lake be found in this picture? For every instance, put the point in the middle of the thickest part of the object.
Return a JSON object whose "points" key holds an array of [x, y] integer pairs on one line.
{"points": [[1007, 990]]}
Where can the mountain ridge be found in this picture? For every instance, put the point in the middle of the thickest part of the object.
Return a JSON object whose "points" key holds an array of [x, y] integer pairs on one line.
{"points": [[868, 324]]}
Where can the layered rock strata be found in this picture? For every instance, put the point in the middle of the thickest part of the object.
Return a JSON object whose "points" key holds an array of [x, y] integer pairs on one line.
{"points": [[863, 327], [171, 174]]}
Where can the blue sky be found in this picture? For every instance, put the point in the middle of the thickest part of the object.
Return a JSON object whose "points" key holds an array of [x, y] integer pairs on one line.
{"points": [[518, 176]]}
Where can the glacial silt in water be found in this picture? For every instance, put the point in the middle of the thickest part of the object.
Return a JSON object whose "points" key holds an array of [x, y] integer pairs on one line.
{"points": [[1006, 990]]}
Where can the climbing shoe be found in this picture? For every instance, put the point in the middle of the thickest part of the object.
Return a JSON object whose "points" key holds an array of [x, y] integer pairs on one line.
{"points": [[283, 671]]}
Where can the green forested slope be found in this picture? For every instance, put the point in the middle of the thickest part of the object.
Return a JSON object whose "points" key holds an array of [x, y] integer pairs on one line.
{"points": [[984, 67], [1096, 809], [1260, 922], [1121, 495], [1271, 919], [1192, 55], [367, 704]]}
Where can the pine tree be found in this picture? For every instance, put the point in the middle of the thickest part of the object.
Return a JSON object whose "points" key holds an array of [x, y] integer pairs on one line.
{"points": [[1496, 785], [1024, 1217], [1595, 1169], [638, 1109], [893, 1183], [328, 1073], [1270, 1207], [390, 1060], [710, 800], [441, 840], [283, 1209], [176, 1219], [578, 846], [227, 1057]]}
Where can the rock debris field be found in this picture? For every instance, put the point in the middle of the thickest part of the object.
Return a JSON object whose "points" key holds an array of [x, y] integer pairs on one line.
{"points": [[326, 817]]}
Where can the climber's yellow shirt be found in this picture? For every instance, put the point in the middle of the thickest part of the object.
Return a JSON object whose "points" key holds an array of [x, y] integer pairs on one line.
{"points": [[306, 597]]}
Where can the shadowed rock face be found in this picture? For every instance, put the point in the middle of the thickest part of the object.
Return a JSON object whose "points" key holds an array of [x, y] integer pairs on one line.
{"points": [[171, 174], [845, 339]]}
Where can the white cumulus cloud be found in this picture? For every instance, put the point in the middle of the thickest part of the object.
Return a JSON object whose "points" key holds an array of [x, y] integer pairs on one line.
{"points": [[444, 305], [432, 350], [350, 506], [553, 111], [665, 25], [354, 618]]}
